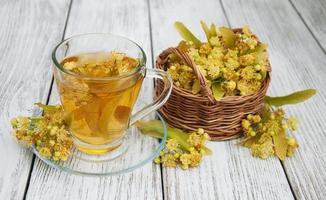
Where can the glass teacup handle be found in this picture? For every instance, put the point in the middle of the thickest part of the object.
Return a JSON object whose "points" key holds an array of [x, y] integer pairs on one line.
{"points": [[160, 101]]}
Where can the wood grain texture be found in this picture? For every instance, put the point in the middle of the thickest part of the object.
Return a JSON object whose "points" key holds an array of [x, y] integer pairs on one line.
{"points": [[314, 15], [29, 30], [230, 173], [297, 63], [128, 18]]}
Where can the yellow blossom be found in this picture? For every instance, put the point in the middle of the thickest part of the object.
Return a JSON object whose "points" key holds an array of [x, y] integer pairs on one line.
{"points": [[215, 41], [292, 124], [292, 142], [248, 59], [195, 158], [172, 144], [195, 139], [168, 160], [256, 119], [196, 87], [157, 160], [185, 160], [245, 124], [240, 67], [200, 131], [205, 48], [44, 132], [263, 150]]}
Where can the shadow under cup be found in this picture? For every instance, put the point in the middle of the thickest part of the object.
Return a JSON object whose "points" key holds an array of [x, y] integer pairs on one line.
{"points": [[98, 109]]}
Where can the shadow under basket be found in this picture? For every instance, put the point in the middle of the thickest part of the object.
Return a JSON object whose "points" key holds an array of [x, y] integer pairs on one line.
{"points": [[220, 119]]}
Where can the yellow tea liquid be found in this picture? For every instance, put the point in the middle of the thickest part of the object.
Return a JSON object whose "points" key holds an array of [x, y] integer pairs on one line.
{"points": [[98, 111]]}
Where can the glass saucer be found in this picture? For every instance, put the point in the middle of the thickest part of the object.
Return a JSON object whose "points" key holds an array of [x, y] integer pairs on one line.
{"points": [[138, 149]]}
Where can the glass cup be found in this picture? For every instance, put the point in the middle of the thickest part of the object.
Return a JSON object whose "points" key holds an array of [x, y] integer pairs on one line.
{"points": [[98, 109]]}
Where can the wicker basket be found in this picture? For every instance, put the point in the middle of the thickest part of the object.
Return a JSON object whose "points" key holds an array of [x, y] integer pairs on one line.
{"points": [[220, 119]]}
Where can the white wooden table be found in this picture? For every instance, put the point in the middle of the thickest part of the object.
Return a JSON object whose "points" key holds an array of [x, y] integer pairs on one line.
{"points": [[295, 31]]}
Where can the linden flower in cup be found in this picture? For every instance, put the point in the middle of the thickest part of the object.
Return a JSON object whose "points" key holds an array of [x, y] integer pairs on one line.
{"points": [[98, 77], [97, 111]]}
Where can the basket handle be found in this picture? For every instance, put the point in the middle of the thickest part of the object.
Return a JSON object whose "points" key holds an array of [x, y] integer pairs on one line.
{"points": [[204, 89]]}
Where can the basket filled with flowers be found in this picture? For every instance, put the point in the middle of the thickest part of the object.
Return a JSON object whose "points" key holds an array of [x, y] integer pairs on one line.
{"points": [[217, 83]]}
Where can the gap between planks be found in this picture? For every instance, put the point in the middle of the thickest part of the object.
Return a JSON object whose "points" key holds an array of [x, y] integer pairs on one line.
{"points": [[306, 25], [315, 42], [168, 174], [320, 46], [154, 83], [140, 179], [152, 59], [47, 102]]}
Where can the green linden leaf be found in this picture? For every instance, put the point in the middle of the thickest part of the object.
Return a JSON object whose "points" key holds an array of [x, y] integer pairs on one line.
{"points": [[294, 98], [213, 31], [228, 36], [217, 91], [154, 128], [280, 144], [187, 34], [47, 107], [206, 30]]}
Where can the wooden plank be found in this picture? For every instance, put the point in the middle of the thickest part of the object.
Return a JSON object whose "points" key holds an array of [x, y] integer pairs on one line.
{"points": [[230, 173], [128, 18], [297, 63], [29, 30], [314, 16]]}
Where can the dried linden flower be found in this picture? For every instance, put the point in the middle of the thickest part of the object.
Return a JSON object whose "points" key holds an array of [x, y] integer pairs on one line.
{"points": [[172, 144], [266, 133], [101, 65], [48, 133], [195, 158], [292, 145], [183, 149], [185, 160], [245, 124], [263, 150], [292, 123], [236, 60], [196, 87], [168, 160]]}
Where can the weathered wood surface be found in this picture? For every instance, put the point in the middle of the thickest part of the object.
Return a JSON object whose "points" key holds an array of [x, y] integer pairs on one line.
{"points": [[230, 173], [29, 30], [144, 183], [295, 31], [313, 15], [298, 63]]}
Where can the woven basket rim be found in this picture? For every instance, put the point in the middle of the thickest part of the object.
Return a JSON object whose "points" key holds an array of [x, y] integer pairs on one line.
{"points": [[225, 98], [221, 119]]}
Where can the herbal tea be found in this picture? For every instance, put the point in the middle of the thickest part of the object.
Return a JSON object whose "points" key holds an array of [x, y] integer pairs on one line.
{"points": [[98, 107]]}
